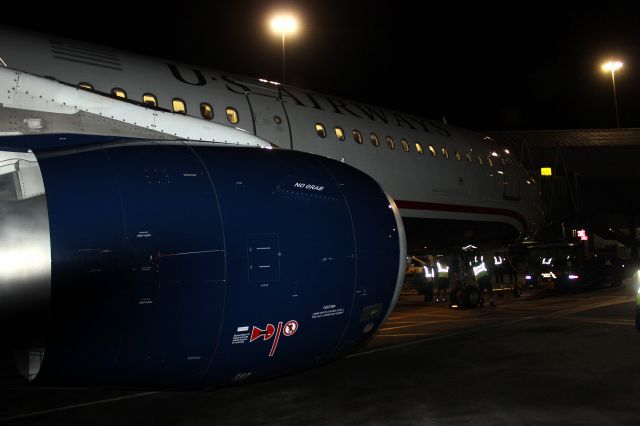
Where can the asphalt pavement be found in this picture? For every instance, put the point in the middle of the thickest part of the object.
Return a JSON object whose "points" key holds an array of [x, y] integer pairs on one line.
{"points": [[546, 358]]}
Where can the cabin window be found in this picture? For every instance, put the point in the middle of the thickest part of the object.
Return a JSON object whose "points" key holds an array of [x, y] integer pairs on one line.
{"points": [[405, 145], [357, 136], [150, 99], [206, 111], [390, 143], [179, 106], [479, 157], [119, 93], [339, 133], [445, 152], [374, 139], [457, 155], [320, 130], [468, 155], [419, 149], [277, 119], [432, 150], [84, 85], [232, 115]]}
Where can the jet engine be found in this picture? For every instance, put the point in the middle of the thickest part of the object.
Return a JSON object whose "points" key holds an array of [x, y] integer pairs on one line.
{"points": [[176, 264]]}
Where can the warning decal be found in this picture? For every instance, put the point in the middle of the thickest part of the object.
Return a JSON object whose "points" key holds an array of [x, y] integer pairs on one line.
{"points": [[270, 331]]}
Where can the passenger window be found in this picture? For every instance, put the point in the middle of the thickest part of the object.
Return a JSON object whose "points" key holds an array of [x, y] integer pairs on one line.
{"points": [[468, 155], [374, 139], [457, 155], [84, 85], [357, 136], [179, 106], [445, 152], [320, 131], [405, 145], [119, 93], [150, 99], [419, 148], [339, 133], [479, 159], [206, 111], [390, 143], [232, 115], [432, 150]]}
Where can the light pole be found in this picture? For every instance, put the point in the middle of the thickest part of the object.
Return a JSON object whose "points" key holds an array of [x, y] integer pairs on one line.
{"points": [[284, 24], [613, 66]]}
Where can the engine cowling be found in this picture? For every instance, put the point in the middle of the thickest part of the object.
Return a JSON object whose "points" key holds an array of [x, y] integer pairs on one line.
{"points": [[172, 265]]}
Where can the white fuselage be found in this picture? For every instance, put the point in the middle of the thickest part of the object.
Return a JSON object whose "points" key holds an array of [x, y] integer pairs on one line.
{"points": [[486, 184]]}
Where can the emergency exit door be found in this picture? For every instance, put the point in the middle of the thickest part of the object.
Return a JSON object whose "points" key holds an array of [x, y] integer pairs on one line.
{"points": [[270, 117]]}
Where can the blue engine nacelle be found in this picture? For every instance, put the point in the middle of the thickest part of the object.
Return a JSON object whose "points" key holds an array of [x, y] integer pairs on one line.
{"points": [[162, 264]]}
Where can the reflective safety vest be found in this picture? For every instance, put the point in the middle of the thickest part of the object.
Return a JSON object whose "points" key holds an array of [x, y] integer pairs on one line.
{"points": [[480, 271], [497, 260], [429, 272], [443, 271]]}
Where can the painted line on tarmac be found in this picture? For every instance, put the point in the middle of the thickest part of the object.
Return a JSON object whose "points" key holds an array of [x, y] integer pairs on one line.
{"points": [[406, 334], [439, 337], [71, 407], [624, 322], [443, 321], [617, 301], [562, 312]]}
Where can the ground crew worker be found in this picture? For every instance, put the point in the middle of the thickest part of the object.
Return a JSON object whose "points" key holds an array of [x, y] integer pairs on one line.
{"points": [[429, 275], [419, 280], [442, 280], [498, 267], [456, 280], [484, 281]]}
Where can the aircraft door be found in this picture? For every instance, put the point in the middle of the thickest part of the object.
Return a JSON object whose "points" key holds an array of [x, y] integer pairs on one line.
{"points": [[511, 180], [269, 117]]}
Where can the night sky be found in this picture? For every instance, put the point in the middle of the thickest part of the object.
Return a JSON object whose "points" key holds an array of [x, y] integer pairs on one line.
{"points": [[522, 66]]}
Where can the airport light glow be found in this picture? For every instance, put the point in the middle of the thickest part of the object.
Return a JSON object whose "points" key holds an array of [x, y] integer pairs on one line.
{"points": [[612, 66], [284, 24]]}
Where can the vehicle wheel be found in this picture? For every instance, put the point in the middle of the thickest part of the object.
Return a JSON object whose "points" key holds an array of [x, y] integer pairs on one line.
{"points": [[517, 292], [469, 297]]}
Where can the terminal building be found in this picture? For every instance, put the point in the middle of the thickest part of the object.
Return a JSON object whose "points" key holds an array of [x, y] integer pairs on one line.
{"points": [[589, 180]]}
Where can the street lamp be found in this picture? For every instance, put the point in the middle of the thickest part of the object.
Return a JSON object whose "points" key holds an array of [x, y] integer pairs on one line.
{"points": [[284, 24], [613, 66]]}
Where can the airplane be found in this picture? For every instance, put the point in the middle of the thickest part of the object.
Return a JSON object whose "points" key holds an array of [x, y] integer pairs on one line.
{"points": [[166, 225]]}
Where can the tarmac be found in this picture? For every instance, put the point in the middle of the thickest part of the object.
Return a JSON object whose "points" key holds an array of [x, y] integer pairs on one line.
{"points": [[546, 358]]}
